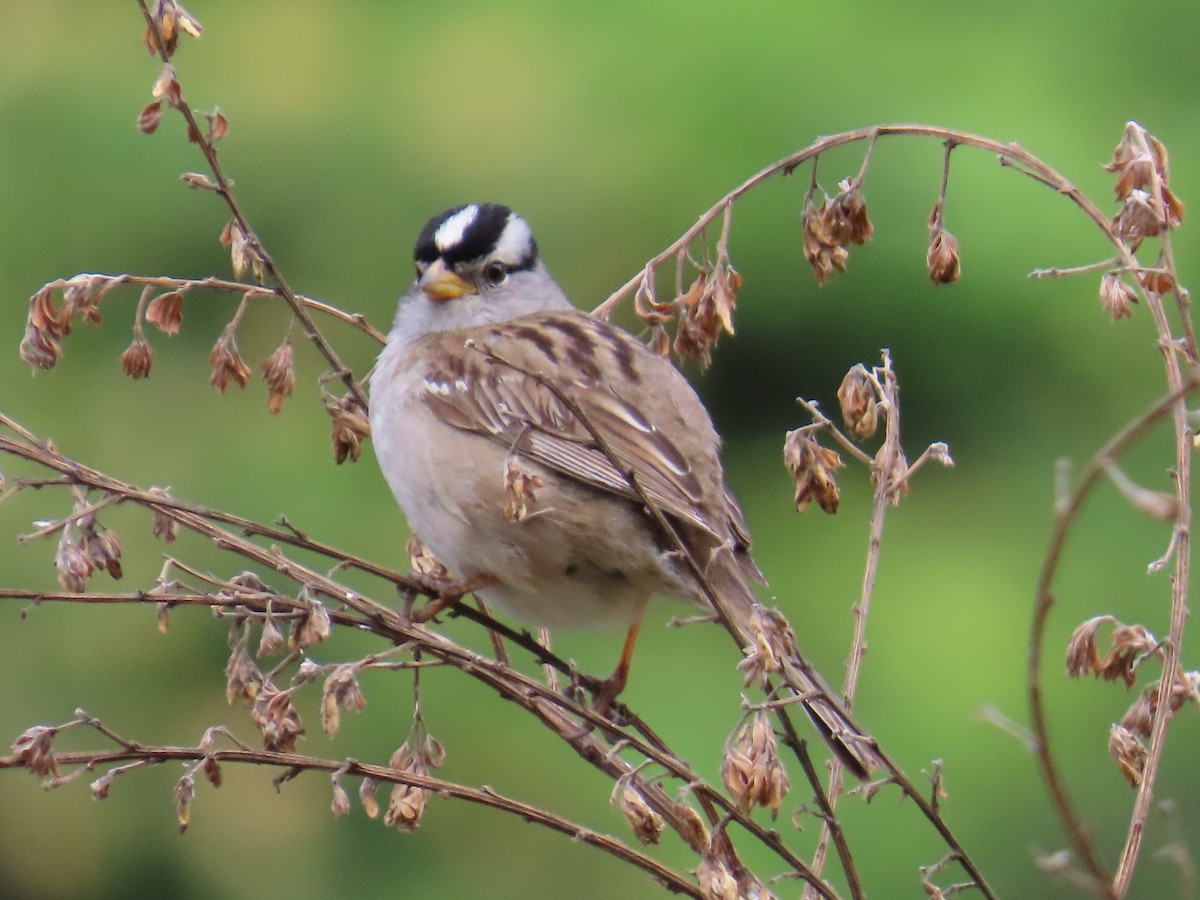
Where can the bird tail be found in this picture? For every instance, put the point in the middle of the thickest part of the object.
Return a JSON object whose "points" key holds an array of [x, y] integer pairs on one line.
{"points": [[772, 652]]}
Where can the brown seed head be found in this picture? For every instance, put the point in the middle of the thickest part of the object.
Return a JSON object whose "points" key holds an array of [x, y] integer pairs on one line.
{"points": [[1082, 656], [812, 467], [1116, 297], [314, 627], [227, 364], [183, 794], [73, 562], [35, 750], [416, 756], [271, 642], [943, 260], [1129, 644], [280, 375], [45, 327], [856, 396], [1128, 752], [1138, 218], [715, 880], [138, 357], [424, 562], [341, 691], [825, 254], [149, 118], [350, 428], [103, 546], [751, 768], [166, 312], [366, 796], [243, 681], [277, 719], [341, 800], [846, 219], [520, 486], [768, 643], [645, 823]]}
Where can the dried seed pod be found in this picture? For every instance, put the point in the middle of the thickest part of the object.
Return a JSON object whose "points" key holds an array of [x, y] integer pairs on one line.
{"points": [[279, 373], [1128, 752], [1082, 656], [645, 823], [166, 312], [350, 428], [1116, 297], [227, 364], [751, 769], [138, 357], [341, 691], [183, 794], [520, 485], [271, 642], [35, 750], [715, 880], [1129, 644], [243, 680], [856, 396], [811, 467], [340, 806], [943, 258], [419, 753], [277, 719], [149, 118]]}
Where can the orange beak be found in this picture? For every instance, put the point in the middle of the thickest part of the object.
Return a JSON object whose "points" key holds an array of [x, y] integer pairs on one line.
{"points": [[440, 284]]}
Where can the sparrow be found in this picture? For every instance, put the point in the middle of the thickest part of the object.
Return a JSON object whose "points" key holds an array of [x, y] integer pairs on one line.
{"points": [[561, 468]]}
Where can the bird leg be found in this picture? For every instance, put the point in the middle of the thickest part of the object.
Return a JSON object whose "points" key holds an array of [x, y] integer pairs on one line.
{"points": [[611, 687], [443, 593]]}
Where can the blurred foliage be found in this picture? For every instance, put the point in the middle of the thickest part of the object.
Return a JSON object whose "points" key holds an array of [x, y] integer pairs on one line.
{"points": [[610, 127]]}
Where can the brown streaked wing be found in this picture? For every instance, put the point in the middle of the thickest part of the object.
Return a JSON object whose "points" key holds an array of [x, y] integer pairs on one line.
{"points": [[498, 401]]}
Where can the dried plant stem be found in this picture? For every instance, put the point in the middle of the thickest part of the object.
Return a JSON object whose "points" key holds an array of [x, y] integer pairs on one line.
{"points": [[1009, 154], [208, 148], [888, 463], [562, 715], [1067, 510], [295, 762]]}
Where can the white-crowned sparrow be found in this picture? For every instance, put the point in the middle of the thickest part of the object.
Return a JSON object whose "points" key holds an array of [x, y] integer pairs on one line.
{"points": [[521, 437]]}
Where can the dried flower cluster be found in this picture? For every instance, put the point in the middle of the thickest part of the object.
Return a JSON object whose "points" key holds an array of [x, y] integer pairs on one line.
{"points": [[35, 748], [520, 486], [751, 768], [47, 325], [646, 824], [771, 640], [706, 310], [860, 407], [418, 755], [280, 375], [828, 229], [812, 467], [350, 428], [170, 19], [341, 691], [1150, 207], [227, 364], [277, 719], [943, 258], [243, 252], [1129, 644], [84, 547], [714, 876]]}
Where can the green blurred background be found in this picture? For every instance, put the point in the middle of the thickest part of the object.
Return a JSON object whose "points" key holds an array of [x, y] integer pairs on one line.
{"points": [[611, 127]]}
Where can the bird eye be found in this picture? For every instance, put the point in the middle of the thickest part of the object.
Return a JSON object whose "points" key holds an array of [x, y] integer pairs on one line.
{"points": [[495, 273]]}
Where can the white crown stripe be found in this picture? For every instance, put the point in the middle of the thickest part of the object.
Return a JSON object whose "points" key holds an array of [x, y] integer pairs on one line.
{"points": [[514, 242], [450, 233]]}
